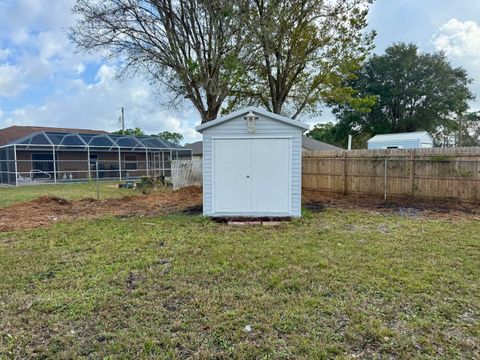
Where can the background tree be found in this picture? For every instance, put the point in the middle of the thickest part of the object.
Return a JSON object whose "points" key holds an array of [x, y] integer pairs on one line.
{"points": [[132, 132], [303, 51], [464, 131], [192, 47], [470, 130], [415, 91], [172, 137], [337, 134], [324, 132]]}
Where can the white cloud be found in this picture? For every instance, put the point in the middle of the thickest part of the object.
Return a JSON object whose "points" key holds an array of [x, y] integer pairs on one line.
{"points": [[51, 44], [32, 16], [11, 81], [20, 36], [35, 32], [5, 53], [96, 106], [105, 74], [460, 39], [80, 68], [43, 61]]}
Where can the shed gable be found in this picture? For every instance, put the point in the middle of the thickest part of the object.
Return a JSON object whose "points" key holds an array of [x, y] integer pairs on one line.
{"points": [[240, 114]]}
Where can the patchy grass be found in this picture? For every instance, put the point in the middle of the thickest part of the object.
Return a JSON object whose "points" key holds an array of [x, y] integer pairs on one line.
{"points": [[76, 191], [336, 284]]}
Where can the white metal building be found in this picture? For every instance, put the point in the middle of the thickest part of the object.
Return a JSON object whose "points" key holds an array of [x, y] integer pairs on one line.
{"points": [[252, 165], [410, 140]]}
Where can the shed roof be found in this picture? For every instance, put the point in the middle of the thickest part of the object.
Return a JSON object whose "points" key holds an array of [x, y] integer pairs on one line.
{"points": [[255, 110], [400, 136], [196, 147], [315, 145]]}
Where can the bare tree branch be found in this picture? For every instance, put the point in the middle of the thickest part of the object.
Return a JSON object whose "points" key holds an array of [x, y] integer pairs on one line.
{"points": [[191, 47]]}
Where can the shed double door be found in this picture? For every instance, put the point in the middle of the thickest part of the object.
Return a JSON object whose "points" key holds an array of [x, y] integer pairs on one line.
{"points": [[251, 175]]}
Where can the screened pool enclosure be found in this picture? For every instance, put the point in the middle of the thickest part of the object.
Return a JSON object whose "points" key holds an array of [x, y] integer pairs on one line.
{"points": [[62, 157]]}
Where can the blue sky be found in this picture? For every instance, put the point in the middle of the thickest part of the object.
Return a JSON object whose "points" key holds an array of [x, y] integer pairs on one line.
{"points": [[44, 82]]}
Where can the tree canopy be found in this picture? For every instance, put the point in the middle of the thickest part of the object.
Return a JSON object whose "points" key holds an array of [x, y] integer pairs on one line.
{"points": [[287, 56], [415, 91], [303, 51], [172, 137], [132, 132]]}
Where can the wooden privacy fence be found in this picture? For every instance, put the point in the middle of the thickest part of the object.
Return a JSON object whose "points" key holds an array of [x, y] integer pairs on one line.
{"points": [[186, 173], [439, 173]]}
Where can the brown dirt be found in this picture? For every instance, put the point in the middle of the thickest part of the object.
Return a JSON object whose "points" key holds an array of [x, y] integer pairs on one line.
{"points": [[317, 201], [48, 210]]}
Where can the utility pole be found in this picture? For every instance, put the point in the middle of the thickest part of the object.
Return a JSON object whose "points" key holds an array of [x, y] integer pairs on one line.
{"points": [[122, 118]]}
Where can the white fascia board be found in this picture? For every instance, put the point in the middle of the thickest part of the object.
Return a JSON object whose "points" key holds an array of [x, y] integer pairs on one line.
{"points": [[255, 110]]}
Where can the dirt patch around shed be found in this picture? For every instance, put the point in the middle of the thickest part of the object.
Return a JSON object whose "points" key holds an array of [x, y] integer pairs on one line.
{"points": [[318, 200], [47, 210]]}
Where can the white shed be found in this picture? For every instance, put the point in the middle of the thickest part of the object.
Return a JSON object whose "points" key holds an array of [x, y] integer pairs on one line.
{"points": [[252, 165], [410, 140]]}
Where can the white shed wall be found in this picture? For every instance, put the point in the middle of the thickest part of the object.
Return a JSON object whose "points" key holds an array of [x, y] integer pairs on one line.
{"points": [[401, 144], [424, 142], [265, 127]]}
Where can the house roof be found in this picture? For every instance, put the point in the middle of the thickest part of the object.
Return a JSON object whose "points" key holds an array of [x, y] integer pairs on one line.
{"points": [[12, 133], [315, 145], [307, 144], [92, 140], [255, 110], [196, 147], [400, 136], [80, 138]]}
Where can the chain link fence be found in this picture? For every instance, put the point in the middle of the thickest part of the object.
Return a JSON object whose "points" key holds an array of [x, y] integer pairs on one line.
{"points": [[382, 177], [76, 179], [435, 178], [29, 172]]}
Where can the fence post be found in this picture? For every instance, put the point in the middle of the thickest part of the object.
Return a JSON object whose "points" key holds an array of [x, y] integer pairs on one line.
{"points": [[385, 184], [96, 177], [146, 160], [119, 165], [88, 164], [345, 167], [54, 166], [477, 188], [16, 164], [412, 172]]}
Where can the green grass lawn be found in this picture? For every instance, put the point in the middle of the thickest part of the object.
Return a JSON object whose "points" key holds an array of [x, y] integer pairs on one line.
{"points": [[12, 195], [336, 284]]}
